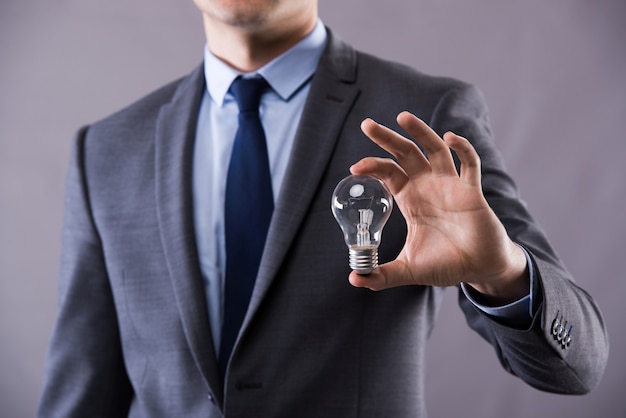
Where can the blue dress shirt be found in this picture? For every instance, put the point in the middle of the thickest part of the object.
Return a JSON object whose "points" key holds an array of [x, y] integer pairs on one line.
{"points": [[289, 76]]}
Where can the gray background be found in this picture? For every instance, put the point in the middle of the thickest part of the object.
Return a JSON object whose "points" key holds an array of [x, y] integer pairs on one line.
{"points": [[553, 72]]}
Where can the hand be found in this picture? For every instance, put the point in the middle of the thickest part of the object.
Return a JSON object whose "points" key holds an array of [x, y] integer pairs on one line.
{"points": [[453, 235]]}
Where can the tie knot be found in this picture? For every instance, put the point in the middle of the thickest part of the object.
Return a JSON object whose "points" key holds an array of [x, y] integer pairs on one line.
{"points": [[248, 92]]}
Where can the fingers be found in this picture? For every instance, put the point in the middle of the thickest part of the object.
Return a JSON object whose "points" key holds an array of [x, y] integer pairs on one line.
{"points": [[470, 161], [441, 162], [385, 169], [411, 161], [385, 276], [405, 151], [373, 281]]}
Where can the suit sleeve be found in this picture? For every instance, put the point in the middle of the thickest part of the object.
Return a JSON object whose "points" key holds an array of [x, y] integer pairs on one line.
{"points": [[85, 374], [565, 348]]}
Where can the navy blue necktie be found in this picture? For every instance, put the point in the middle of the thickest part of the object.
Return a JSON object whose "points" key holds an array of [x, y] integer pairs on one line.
{"points": [[248, 210]]}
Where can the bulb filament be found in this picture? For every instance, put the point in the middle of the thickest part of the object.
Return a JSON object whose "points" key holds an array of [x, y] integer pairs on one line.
{"points": [[363, 227]]}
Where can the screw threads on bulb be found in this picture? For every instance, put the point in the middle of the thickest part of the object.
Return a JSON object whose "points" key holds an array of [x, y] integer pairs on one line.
{"points": [[363, 260]]}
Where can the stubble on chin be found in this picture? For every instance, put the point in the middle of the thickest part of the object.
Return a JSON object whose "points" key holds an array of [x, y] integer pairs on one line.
{"points": [[241, 13]]}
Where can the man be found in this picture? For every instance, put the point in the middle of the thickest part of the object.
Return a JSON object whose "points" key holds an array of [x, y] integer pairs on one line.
{"points": [[144, 276]]}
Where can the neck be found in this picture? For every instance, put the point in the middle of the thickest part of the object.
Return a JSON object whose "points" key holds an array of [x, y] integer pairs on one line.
{"points": [[248, 49]]}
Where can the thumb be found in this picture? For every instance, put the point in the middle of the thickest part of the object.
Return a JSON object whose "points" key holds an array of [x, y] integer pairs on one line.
{"points": [[385, 276]]}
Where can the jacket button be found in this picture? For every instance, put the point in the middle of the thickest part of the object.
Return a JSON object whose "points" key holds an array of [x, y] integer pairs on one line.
{"points": [[556, 324], [560, 332]]}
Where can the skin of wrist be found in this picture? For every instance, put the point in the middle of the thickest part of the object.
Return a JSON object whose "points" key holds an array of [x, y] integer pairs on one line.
{"points": [[511, 286]]}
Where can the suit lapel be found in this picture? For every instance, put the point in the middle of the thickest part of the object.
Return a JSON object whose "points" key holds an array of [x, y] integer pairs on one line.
{"points": [[331, 96], [175, 135]]}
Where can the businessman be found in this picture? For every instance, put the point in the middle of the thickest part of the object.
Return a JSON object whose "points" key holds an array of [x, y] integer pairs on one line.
{"points": [[203, 274]]}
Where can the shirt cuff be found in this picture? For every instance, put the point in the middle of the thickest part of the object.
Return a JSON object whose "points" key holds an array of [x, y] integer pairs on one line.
{"points": [[520, 310]]}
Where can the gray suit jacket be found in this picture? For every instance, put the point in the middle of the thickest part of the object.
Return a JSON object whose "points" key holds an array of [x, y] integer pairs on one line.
{"points": [[133, 335]]}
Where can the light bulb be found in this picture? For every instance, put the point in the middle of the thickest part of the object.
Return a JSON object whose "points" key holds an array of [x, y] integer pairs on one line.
{"points": [[362, 205]]}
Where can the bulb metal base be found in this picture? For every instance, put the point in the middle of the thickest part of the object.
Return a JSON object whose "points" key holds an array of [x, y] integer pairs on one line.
{"points": [[363, 260]]}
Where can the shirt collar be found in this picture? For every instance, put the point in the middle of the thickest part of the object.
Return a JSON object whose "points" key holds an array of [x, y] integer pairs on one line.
{"points": [[285, 73]]}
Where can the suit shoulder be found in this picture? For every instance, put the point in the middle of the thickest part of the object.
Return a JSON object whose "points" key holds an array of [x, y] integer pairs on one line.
{"points": [[146, 109], [404, 76], [401, 87]]}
